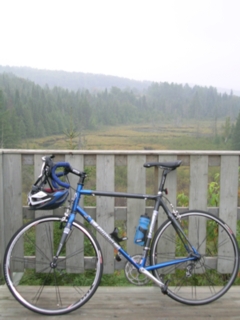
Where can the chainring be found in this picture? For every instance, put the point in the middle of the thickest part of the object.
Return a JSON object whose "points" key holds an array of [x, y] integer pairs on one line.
{"points": [[132, 273]]}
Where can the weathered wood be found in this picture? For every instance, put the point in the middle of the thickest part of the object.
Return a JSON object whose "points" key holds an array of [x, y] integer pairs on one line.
{"points": [[171, 185], [228, 201], [122, 152], [105, 212], [12, 181], [28, 159], [120, 213], [76, 240], [130, 303], [135, 208], [229, 190], [198, 182], [2, 234], [198, 199], [105, 207]]}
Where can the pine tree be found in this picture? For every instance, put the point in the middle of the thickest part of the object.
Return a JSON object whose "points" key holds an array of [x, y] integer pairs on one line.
{"points": [[236, 135], [3, 121]]}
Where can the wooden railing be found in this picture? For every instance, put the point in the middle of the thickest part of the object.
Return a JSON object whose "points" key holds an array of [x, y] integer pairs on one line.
{"points": [[16, 167]]}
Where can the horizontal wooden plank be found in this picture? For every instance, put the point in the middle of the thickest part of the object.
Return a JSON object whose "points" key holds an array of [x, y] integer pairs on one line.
{"points": [[122, 152], [129, 303], [120, 212], [90, 263]]}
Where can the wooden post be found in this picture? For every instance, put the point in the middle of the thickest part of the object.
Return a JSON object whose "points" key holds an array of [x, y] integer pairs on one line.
{"points": [[2, 233], [198, 200], [229, 190], [228, 203], [74, 243], [198, 182], [12, 195], [171, 185], [105, 207], [135, 208]]}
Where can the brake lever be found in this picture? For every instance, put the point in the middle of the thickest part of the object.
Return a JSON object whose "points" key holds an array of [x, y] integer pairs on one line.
{"points": [[47, 162]]}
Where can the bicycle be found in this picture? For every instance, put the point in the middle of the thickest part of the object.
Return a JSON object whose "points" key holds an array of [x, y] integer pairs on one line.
{"points": [[193, 257]]}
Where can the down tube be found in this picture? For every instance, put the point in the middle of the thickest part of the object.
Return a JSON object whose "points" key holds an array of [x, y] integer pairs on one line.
{"points": [[107, 236]]}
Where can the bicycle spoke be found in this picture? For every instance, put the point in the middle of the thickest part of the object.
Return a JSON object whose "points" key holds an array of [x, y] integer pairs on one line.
{"points": [[207, 278], [56, 287]]}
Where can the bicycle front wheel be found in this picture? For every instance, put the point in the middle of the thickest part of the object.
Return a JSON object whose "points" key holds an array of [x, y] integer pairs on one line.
{"points": [[46, 287], [206, 279]]}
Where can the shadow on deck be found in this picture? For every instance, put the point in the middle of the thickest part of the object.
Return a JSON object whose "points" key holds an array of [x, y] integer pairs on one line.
{"points": [[142, 303]]}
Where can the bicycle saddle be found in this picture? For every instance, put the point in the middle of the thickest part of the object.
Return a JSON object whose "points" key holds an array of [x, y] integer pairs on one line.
{"points": [[165, 165]]}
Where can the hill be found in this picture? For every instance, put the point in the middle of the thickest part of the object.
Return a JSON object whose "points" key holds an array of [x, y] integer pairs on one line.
{"points": [[74, 81]]}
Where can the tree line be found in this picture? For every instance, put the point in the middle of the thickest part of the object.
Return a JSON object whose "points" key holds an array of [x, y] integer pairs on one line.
{"points": [[73, 80], [28, 110]]}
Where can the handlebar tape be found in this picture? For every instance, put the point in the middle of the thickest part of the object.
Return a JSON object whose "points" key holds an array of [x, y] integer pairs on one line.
{"points": [[56, 175]]}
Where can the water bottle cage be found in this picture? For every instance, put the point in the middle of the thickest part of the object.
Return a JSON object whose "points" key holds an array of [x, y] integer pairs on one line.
{"points": [[144, 238]]}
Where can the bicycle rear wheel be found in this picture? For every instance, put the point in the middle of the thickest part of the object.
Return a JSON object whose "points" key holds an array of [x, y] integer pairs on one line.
{"points": [[46, 288], [204, 280]]}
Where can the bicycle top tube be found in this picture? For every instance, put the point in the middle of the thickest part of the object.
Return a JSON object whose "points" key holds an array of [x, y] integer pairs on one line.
{"points": [[166, 166], [118, 194], [51, 168]]}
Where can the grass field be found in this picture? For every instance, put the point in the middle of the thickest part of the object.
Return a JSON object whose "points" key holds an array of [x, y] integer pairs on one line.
{"points": [[187, 136]]}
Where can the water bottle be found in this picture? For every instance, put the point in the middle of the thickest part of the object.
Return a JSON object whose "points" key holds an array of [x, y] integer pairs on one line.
{"points": [[141, 231]]}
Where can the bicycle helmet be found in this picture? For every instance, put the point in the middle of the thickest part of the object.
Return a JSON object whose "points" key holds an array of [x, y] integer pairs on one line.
{"points": [[46, 199]]}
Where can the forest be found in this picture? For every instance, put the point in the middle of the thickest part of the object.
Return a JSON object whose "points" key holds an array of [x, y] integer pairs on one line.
{"points": [[73, 81], [28, 110]]}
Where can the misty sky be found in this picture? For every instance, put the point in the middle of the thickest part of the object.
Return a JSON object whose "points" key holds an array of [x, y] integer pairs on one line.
{"points": [[180, 41]]}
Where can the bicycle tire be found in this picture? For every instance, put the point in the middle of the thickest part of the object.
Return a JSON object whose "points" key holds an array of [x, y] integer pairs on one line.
{"points": [[39, 286], [203, 281]]}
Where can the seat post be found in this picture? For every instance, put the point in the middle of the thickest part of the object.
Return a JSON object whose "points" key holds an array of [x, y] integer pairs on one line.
{"points": [[163, 179]]}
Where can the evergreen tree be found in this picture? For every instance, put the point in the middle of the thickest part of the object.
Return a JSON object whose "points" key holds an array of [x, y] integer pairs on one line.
{"points": [[28, 110], [227, 128], [14, 136], [236, 135], [3, 121]]}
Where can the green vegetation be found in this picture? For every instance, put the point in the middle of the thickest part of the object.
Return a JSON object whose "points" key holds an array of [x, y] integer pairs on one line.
{"points": [[236, 134], [139, 137], [158, 114]]}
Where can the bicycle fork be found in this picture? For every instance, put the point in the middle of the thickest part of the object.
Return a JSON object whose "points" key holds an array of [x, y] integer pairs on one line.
{"points": [[172, 216], [65, 234]]}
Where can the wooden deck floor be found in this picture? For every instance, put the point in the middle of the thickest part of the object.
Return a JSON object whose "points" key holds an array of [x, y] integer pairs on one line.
{"points": [[131, 303]]}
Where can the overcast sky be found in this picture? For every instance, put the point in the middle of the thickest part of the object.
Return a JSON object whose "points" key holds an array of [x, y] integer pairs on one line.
{"points": [[180, 41]]}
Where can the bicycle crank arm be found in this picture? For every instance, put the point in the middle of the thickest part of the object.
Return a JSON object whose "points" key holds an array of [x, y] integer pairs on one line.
{"points": [[159, 283]]}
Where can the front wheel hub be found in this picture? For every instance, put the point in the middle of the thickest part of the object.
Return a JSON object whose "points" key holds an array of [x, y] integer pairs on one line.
{"points": [[53, 265]]}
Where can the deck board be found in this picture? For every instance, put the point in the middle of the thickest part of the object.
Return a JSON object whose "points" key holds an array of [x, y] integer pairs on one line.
{"points": [[131, 303]]}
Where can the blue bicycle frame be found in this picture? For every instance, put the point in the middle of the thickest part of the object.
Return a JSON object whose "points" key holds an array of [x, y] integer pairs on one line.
{"points": [[141, 267], [193, 255]]}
